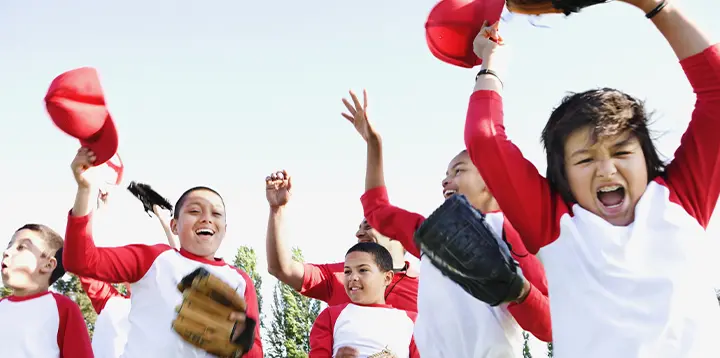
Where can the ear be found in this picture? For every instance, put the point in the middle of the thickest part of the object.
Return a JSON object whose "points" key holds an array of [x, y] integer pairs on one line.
{"points": [[173, 226], [389, 277], [49, 266]]}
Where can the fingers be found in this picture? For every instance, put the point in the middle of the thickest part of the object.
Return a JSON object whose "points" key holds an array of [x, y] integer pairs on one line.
{"points": [[278, 179], [365, 100], [349, 106], [355, 100], [348, 117]]}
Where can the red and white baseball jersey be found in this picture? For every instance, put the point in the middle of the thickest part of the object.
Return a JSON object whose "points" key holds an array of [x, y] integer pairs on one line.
{"points": [[47, 324], [449, 319], [325, 283], [367, 328], [153, 272], [111, 325], [640, 291]]}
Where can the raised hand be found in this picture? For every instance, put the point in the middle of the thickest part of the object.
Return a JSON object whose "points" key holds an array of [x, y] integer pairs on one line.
{"points": [[358, 116], [277, 189], [81, 165], [487, 40]]}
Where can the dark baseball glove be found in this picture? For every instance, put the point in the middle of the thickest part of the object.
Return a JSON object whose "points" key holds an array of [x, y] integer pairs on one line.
{"points": [[149, 197], [541, 7], [459, 242], [203, 318]]}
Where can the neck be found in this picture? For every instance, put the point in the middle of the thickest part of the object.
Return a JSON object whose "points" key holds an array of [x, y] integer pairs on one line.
{"points": [[398, 257], [485, 203], [28, 291]]}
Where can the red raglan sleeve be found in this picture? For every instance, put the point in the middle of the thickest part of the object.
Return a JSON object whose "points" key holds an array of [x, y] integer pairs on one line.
{"points": [[98, 292], [391, 221], [321, 336], [320, 282], [72, 337], [414, 353], [533, 314], [694, 174], [252, 311], [522, 193], [114, 265]]}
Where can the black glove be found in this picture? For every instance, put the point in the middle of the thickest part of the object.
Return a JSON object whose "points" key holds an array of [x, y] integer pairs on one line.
{"points": [[459, 242], [149, 197], [541, 7]]}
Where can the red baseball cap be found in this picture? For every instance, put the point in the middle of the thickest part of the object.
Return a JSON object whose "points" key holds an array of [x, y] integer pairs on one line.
{"points": [[110, 173], [76, 104], [452, 26]]}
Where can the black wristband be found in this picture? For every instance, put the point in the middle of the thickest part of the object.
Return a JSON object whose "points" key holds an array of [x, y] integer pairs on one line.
{"points": [[656, 10], [485, 71]]}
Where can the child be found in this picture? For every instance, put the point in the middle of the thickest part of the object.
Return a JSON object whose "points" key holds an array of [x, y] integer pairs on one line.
{"points": [[154, 270], [35, 321], [111, 325], [453, 330], [622, 237], [325, 281], [368, 325]]}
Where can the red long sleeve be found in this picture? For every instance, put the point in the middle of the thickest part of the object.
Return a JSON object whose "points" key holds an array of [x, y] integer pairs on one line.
{"points": [[391, 221], [72, 338], [98, 292], [321, 336]]}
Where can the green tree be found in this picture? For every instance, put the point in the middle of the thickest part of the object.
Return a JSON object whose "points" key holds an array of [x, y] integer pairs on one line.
{"points": [[526, 345], [293, 317], [246, 259], [70, 286], [4, 292], [550, 350]]}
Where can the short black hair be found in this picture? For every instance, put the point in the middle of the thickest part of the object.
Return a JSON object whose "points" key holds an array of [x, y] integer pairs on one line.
{"points": [[381, 255], [183, 198], [54, 243]]}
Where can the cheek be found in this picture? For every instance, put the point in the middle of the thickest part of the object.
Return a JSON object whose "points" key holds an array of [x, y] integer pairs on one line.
{"points": [[580, 182]]}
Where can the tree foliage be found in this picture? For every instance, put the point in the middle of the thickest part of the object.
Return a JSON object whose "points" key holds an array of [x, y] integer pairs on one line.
{"points": [[246, 259], [293, 317], [70, 286], [4, 292]]}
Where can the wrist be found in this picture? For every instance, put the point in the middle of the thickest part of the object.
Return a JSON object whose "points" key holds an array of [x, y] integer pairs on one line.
{"points": [[525, 292], [277, 209], [648, 5], [374, 139]]}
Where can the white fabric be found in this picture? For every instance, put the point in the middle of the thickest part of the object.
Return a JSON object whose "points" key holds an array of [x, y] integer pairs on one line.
{"points": [[357, 327], [29, 329], [453, 324], [641, 291], [111, 328]]}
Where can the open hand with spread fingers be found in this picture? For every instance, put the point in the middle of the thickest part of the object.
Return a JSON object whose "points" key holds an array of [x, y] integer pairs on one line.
{"points": [[277, 189], [357, 115]]}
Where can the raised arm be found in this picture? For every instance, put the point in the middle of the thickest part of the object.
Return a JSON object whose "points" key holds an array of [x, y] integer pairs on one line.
{"points": [[166, 227], [98, 292], [522, 193], [281, 265], [81, 256], [393, 222], [694, 173]]}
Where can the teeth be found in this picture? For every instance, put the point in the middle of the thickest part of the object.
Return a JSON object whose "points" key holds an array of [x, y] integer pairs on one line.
{"points": [[449, 192], [607, 189], [205, 231]]}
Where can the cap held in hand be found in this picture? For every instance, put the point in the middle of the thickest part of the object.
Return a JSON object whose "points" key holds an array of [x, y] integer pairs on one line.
{"points": [[76, 104], [452, 26]]}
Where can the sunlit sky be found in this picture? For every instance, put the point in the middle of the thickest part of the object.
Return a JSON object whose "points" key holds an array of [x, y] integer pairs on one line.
{"points": [[222, 93]]}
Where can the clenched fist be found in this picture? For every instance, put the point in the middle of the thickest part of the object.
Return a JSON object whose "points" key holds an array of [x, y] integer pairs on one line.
{"points": [[277, 189], [81, 165]]}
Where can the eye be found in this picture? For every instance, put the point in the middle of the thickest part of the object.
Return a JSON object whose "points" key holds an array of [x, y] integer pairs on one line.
{"points": [[347, 272], [218, 214], [458, 171], [584, 161], [623, 153], [363, 270]]}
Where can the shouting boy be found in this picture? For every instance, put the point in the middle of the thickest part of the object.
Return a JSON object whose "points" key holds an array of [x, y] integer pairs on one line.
{"points": [[155, 270], [35, 321]]}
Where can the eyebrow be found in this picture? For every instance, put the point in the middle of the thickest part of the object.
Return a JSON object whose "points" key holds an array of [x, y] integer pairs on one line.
{"points": [[456, 165], [361, 265], [619, 144]]}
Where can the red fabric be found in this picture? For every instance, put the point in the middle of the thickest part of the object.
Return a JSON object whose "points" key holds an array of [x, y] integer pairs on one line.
{"points": [[533, 315], [452, 26], [98, 292], [325, 283], [76, 104], [252, 311], [72, 337], [693, 176]]}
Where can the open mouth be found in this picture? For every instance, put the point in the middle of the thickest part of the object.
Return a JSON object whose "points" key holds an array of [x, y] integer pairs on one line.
{"points": [[611, 196], [448, 193], [205, 233], [3, 267], [355, 289]]}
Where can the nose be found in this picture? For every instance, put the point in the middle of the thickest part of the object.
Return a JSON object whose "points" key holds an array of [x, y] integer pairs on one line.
{"points": [[606, 168], [445, 182]]}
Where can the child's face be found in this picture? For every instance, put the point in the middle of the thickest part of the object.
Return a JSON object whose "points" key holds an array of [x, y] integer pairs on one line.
{"points": [[364, 282], [607, 177], [26, 263], [462, 177], [200, 225]]}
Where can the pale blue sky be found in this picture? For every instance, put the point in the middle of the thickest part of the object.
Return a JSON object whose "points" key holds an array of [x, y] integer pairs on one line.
{"points": [[221, 93]]}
